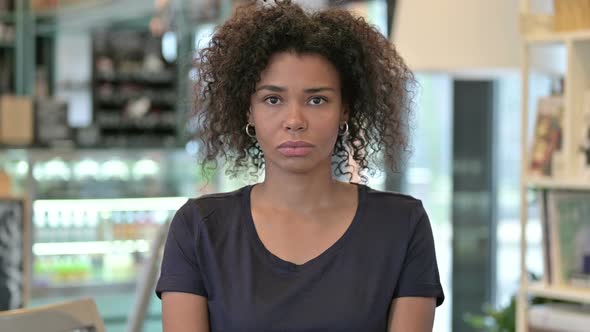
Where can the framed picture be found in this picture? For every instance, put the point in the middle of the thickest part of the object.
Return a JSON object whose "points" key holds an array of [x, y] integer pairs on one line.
{"points": [[569, 226], [15, 253]]}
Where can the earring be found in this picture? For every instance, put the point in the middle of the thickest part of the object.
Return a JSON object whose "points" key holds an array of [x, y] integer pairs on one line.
{"points": [[343, 130], [248, 126]]}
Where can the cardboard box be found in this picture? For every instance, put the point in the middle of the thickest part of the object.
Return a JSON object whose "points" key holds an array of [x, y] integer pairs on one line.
{"points": [[571, 15], [16, 120], [5, 184], [47, 5], [41, 5]]}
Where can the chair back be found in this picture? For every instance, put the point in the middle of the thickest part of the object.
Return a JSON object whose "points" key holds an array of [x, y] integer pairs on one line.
{"points": [[60, 317]]}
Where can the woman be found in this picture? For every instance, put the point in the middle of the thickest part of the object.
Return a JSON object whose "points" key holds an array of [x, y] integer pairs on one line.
{"points": [[298, 95]]}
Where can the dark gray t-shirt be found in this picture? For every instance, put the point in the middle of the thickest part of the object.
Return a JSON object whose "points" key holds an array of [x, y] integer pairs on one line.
{"points": [[213, 250]]}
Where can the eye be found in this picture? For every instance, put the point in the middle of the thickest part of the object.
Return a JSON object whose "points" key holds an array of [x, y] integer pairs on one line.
{"points": [[272, 100], [317, 101]]}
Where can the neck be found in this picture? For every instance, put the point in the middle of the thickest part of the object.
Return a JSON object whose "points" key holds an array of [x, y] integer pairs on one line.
{"points": [[304, 192]]}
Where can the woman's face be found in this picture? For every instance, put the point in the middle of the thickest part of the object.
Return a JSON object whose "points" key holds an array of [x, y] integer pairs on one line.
{"points": [[296, 111]]}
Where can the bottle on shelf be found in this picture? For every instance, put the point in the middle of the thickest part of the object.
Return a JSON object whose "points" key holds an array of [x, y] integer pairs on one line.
{"points": [[79, 224], [40, 229], [65, 227], [129, 230], [91, 222], [107, 226], [118, 225], [53, 227]]}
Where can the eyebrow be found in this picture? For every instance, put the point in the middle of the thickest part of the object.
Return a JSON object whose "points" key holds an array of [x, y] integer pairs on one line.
{"points": [[275, 88], [319, 89]]}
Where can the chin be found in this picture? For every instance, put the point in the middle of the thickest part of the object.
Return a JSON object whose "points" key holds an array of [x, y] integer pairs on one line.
{"points": [[296, 165]]}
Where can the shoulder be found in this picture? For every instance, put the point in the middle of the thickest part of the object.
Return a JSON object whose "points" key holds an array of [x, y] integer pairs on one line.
{"points": [[222, 196], [197, 212], [394, 203], [393, 213], [212, 203]]}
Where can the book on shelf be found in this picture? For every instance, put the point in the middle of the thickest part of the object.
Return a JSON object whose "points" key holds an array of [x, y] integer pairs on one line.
{"points": [[545, 158], [558, 317], [568, 242]]}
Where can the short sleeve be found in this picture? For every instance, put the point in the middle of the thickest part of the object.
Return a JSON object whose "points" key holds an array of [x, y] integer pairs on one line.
{"points": [[180, 270], [419, 275]]}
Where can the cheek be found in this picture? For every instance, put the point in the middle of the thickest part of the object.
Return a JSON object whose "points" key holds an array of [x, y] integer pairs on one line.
{"points": [[331, 132], [264, 131], [329, 136], [331, 125]]}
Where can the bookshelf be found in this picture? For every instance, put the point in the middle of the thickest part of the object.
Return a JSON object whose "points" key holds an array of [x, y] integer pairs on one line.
{"points": [[574, 69]]}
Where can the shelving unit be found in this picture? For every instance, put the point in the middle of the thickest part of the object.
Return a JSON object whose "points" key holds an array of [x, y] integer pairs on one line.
{"points": [[88, 243], [68, 262], [576, 82], [134, 104], [95, 213], [84, 265]]}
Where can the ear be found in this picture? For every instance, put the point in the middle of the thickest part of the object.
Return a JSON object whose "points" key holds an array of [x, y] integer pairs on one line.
{"points": [[344, 115], [250, 116]]}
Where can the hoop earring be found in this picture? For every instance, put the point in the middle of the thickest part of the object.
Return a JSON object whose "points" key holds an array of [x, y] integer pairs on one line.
{"points": [[248, 126], [344, 131]]}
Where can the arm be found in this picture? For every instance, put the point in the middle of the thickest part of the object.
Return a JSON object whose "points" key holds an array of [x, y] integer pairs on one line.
{"points": [[418, 290], [412, 314], [184, 312], [181, 286]]}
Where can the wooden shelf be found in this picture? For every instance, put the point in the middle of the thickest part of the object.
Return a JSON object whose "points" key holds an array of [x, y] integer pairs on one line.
{"points": [[548, 183], [564, 293], [558, 37], [546, 38]]}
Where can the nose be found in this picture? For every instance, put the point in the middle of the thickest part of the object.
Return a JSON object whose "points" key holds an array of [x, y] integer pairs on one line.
{"points": [[295, 121]]}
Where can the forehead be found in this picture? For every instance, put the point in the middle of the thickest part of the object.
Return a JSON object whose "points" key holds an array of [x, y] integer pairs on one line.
{"points": [[293, 69]]}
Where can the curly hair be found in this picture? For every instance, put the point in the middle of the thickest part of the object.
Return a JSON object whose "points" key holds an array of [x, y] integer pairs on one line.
{"points": [[376, 83]]}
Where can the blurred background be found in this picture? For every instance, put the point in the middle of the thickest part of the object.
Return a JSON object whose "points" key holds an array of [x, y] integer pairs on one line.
{"points": [[94, 101]]}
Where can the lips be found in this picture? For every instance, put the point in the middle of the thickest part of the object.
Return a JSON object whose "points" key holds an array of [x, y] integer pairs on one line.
{"points": [[295, 148], [295, 144]]}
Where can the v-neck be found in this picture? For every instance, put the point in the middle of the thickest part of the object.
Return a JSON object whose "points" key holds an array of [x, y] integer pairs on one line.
{"points": [[287, 266]]}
